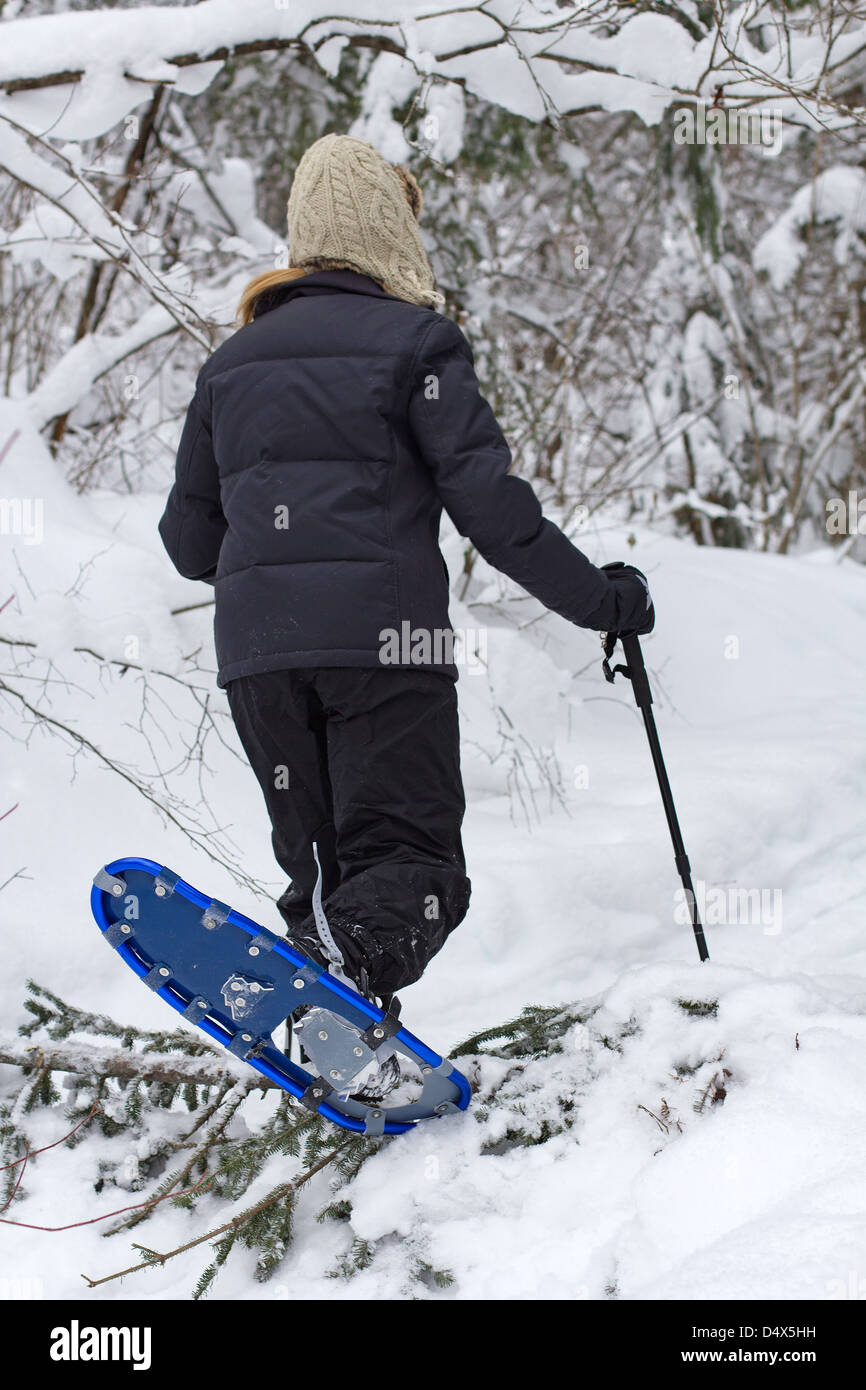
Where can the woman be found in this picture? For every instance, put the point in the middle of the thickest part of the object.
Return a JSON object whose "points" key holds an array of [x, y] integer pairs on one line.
{"points": [[322, 442]]}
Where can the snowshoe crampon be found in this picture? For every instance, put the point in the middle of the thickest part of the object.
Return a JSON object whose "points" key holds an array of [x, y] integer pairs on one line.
{"points": [[239, 983]]}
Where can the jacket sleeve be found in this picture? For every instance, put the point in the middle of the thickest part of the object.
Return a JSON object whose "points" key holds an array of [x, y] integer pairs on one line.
{"points": [[459, 438], [193, 526]]}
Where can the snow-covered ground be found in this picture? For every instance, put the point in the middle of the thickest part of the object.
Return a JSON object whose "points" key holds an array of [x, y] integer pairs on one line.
{"points": [[758, 663]]}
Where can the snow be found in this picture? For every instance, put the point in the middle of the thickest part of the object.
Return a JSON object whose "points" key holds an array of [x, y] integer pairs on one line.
{"points": [[106, 45], [758, 668], [651, 47], [66, 384], [507, 56], [836, 195], [391, 81], [616, 1202]]}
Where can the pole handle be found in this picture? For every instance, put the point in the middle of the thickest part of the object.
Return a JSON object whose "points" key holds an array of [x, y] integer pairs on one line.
{"points": [[636, 670]]}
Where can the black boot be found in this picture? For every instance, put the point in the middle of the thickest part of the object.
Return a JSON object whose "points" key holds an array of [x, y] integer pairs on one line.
{"points": [[294, 906]]}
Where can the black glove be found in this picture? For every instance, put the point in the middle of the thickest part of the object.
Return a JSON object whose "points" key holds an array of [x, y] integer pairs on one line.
{"points": [[634, 604]]}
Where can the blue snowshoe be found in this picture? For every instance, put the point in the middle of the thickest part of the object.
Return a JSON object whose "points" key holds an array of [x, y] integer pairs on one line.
{"points": [[239, 982]]}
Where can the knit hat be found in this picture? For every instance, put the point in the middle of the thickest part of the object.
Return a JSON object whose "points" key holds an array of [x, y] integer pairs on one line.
{"points": [[349, 208]]}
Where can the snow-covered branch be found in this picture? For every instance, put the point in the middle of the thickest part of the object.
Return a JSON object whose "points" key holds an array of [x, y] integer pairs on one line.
{"points": [[96, 1062], [90, 67], [113, 238]]}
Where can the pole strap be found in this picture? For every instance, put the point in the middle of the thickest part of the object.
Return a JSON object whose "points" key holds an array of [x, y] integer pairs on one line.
{"points": [[634, 668], [608, 642]]}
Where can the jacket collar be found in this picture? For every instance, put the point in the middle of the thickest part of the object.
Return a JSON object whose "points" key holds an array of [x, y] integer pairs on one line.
{"points": [[320, 282]]}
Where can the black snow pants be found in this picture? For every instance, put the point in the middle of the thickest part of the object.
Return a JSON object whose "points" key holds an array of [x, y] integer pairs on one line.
{"points": [[366, 763]]}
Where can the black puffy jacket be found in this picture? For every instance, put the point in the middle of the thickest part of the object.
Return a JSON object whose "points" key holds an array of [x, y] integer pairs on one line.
{"points": [[322, 442]]}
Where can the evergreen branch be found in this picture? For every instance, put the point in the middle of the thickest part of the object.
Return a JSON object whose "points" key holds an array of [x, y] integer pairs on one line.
{"points": [[212, 1137], [17, 1183], [63, 1019], [98, 1063], [536, 1031], [31, 1153], [232, 1226], [92, 1220]]}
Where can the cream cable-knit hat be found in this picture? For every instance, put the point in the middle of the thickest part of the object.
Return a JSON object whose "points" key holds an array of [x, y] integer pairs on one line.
{"points": [[349, 207]]}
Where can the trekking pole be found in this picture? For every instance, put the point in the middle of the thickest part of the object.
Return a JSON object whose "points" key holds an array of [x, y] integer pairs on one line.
{"points": [[635, 670]]}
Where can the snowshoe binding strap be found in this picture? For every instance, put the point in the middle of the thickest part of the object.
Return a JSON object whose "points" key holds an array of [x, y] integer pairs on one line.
{"points": [[331, 949]]}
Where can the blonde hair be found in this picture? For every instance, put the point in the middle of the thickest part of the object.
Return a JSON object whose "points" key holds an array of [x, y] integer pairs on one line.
{"points": [[259, 285]]}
